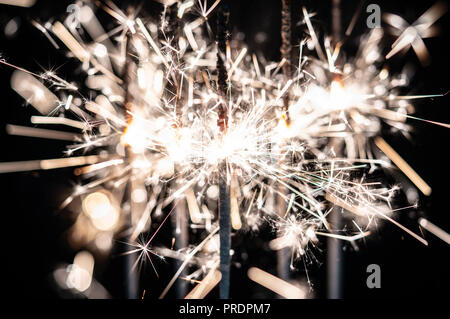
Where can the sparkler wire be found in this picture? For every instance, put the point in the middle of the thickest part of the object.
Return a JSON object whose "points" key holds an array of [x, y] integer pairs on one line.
{"points": [[283, 255], [223, 35], [335, 257]]}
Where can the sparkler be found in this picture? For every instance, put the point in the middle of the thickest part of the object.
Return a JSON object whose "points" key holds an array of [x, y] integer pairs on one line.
{"points": [[208, 128], [286, 55], [275, 284], [335, 257]]}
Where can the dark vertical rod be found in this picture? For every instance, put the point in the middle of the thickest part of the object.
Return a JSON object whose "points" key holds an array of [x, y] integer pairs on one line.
{"points": [[131, 276], [283, 255], [336, 22], [286, 49], [180, 223], [179, 219], [225, 237], [334, 255], [335, 259], [223, 36]]}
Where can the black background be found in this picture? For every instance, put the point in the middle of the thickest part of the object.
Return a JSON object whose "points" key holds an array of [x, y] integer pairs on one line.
{"points": [[33, 229]]}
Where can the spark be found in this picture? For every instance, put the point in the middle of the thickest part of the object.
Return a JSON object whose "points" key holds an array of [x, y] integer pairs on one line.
{"points": [[19, 3], [403, 166], [413, 35], [435, 230], [47, 164], [275, 284], [41, 133]]}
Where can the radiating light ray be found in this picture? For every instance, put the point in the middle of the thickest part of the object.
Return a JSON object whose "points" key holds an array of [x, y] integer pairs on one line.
{"points": [[411, 36], [21, 166], [403, 166], [346, 238], [275, 284], [98, 166], [41, 133], [435, 230]]}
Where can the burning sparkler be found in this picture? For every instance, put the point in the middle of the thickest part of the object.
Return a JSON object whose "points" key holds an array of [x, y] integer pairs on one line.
{"points": [[173, 119]]}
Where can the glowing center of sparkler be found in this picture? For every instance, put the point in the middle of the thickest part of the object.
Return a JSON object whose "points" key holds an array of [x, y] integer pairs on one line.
{"points": [[337, 98], [237, 146], [178, 143], [283, 129], [134, 136], [340, 98]]}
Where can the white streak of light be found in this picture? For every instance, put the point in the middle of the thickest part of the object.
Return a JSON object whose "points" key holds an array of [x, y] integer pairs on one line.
{"points": [[19, 3], [21, 166], [41, 133], [347, 238], [211, 8], [183, 7], [59, 120], [206, 285], [237, 62], [45, 32], [34, 92], [435, 230], [77, 49], [403, 166], [68, 102], [103, 112], [73, 45], [150, 40], [234, 206], [358, 211], [190, 37], [288, 84], [313, 35], [194, 210], [99, 166], [275, 284]]}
